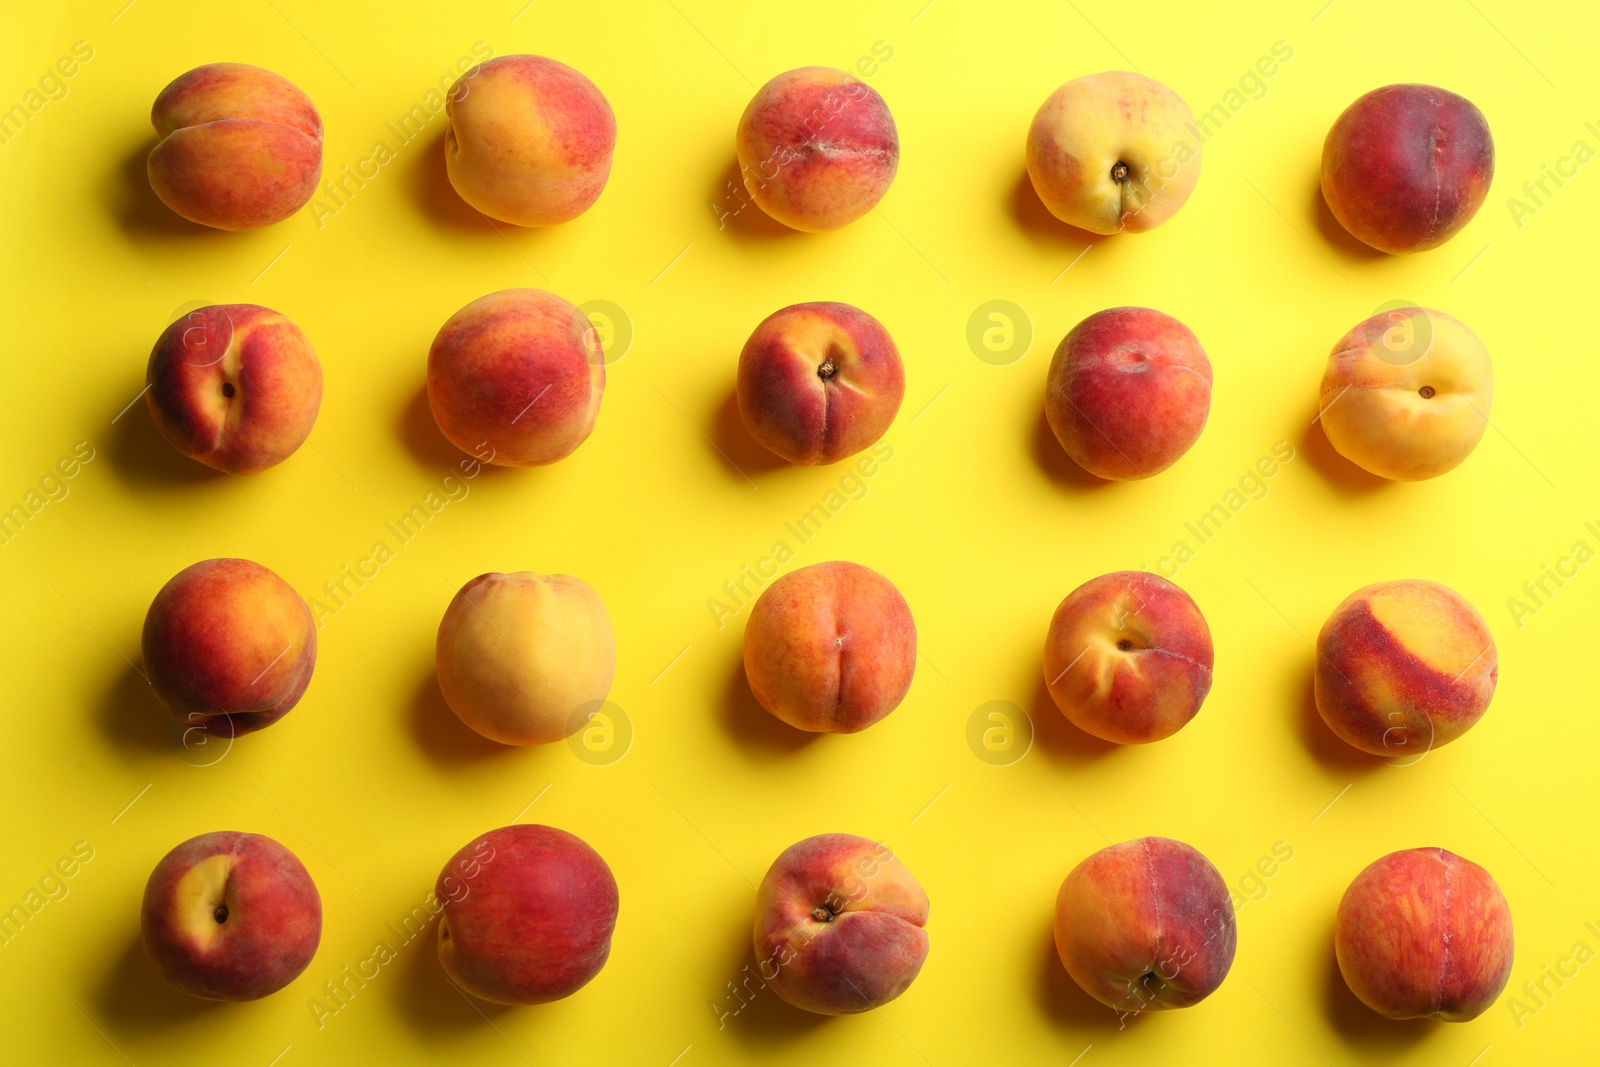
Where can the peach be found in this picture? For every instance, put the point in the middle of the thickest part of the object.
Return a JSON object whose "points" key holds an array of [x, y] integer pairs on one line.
{"points": [[1113, 152], [1407, 166], [1128, 392], [1424, 933], [235, 386], [1404, 667], [524, 658], [1146, 925], [839, 925], [515, 378], [1128, 657], [230, 916], [529, 140], [528, 915], [240, 147], [1406, 394], [830, 648], [228, 646], [819, 382], [817, 148]]}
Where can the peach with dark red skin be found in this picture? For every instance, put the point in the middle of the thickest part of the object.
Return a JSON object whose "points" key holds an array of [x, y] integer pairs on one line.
{"points": [[230, 916], [1405, 167], [1424, 933], [528, 915], [840, 925], [1404, 667], [529, 140], [830, 648], [1128, 392], [228, 646], [1146, 925], [240, 147], [1128, 657], [235, 386], [515, 378], [817, 148], [818, 382]]}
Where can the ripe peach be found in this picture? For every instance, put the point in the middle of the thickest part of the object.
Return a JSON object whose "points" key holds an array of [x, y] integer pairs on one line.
{"points": [[528, 915], [516, 377], [235, 386], [817, 148], [1113, 152], [1406, 394], [1404, 667], [529, 140], [818, 382], [240, 147], [839, 925], [230, 916], [1424, 933], [228, 646], [1128, 392], [1128, 657], [1146, 925], [523, 657], [1406, 166], [830, 648]]}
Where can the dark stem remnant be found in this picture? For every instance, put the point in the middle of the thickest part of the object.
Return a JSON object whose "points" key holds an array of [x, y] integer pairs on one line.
{"points": [[221, 914], [828, 369], [1119, 172], [1426, 392], [1125, 645], [822, 913], [227, 388]]}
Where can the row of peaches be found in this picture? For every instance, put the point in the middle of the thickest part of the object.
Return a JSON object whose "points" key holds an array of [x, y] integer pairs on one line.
{"points": [[526, 915]]}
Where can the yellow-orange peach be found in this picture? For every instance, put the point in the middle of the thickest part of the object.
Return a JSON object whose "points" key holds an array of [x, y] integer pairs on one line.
{"points": [[840, 925], [529, 140], [240, 147], [818, 382], [1146, 925], [515, 378], [230, 916], [1406, 394], [1424, 933], [1406, 166], [1128, 392], [235, 386], [1128, 657], [525, 658], [228, 646], [1404, 667], [1113, 152], [817, 148], [830, 648]]}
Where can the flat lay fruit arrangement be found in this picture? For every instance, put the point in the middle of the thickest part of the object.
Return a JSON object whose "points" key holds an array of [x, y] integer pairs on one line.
{"points": [[928, 536]]}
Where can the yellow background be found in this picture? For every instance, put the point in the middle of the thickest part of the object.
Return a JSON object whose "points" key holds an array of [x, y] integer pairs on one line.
{"points": [[978, 518]]}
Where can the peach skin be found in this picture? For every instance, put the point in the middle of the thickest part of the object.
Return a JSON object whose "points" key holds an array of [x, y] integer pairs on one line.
{"points": [[228, 646], [230, 916], [819, 382], [234, 386], [1406, 394], [529, 140], [1146, 925], [1422, 934], [1113, 152], [1128, 657], [817, 148], [1404, 667], [515, 378], [1128, 392], [839, 925], [1406, 166], [830, 648], [240, 147], [524, 657]]}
